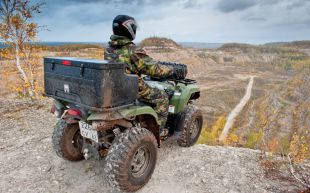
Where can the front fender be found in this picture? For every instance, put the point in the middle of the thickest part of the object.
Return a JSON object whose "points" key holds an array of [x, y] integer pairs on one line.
{"points": [[182, 96]]}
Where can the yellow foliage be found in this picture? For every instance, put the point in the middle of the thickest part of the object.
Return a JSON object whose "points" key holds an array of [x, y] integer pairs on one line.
{"points": [[284, 144], [302, 64], [210, 136], [273, 145], [6, 54], [219, 125], [206, 137], [262, 114], [232, 139], [299, 148], [253, 139]]}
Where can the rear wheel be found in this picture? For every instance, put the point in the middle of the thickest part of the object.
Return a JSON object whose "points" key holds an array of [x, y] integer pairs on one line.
{"points": [[67, 141], [190, 125], [131, 159]]}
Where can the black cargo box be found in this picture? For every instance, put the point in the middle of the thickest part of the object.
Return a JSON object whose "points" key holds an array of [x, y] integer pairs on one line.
{"points": [[95, 84]]}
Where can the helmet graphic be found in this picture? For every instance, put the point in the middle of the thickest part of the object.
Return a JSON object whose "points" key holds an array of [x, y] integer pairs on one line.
{"points": [[124, 25]]}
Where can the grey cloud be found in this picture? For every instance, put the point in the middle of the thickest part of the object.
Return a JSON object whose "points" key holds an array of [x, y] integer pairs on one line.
{"points": [[298, 3], [89, 12], [234, 5], [89, 17], [249, 20], [93, 14], [116, 2], [228, 6], [191, 4], [255, 19]]}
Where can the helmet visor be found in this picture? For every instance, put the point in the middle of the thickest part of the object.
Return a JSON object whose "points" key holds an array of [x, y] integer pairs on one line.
{"points": [[131, 26], [137, 25]]}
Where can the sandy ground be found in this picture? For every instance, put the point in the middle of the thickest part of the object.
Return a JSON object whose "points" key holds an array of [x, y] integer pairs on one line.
{"points": [[28, 163]]}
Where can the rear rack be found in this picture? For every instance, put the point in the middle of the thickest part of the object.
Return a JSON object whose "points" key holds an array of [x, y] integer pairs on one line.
{"points": [[186, 81], [183, 81]]}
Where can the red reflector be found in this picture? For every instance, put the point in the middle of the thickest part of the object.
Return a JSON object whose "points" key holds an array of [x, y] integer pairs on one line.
{"points": [[74, 112], [66, 62], [53, 109]]}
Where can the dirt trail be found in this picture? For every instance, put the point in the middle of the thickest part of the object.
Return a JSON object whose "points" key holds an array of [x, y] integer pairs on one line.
{"points": [[235, 112]]}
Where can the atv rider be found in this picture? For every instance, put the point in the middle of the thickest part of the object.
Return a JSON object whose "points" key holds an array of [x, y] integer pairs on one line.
{"points": [[122, 49]]}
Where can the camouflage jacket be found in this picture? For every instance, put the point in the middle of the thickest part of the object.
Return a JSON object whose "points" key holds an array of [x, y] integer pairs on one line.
{"points": [[121, 49]]}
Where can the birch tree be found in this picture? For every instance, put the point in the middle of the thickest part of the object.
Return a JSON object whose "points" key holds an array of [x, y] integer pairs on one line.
{"points": [[17, 30]]}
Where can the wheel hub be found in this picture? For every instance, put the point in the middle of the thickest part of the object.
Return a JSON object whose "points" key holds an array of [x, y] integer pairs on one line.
{"points": [[140, 161], [194, 129]]}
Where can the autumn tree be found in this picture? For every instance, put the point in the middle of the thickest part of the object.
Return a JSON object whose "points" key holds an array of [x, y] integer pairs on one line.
{"points": [[18, 30]]}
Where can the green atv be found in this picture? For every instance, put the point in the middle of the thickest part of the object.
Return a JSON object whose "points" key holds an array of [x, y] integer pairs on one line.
{"points": [[100, 117]]}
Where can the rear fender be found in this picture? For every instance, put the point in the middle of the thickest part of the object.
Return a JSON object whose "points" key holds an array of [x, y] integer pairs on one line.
{"points": [[146, 116], [139, 110], [144, 113], [124, 113]]}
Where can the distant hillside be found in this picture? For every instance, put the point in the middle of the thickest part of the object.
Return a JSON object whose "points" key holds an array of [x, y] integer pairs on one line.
{"points": [[159, 44], [261, 49], [200, 45], [305, 44], [275, 43], [238, 47]]}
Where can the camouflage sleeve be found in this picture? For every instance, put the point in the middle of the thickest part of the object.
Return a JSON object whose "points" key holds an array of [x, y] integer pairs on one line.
{"points": [[146, 65]]}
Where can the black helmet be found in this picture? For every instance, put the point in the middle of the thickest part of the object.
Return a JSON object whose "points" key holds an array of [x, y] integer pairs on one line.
{"points": [[124, 25]]}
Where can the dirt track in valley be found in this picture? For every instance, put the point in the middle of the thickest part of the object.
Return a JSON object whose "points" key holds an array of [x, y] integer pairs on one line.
{"points": [[236, 111], [222, 87]]}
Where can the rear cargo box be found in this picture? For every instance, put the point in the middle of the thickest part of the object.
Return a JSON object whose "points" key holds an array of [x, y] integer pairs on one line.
{"points": [[96, 84]]}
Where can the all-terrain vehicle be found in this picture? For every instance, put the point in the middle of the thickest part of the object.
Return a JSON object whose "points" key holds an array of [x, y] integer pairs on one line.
{"points": [[100, 117]]}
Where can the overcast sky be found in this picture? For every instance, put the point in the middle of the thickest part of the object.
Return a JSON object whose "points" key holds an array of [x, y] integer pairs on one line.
{"points": [[249, 21]]}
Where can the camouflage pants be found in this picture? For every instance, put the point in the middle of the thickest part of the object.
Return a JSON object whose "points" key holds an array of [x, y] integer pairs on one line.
{"points": [[158, 98]]}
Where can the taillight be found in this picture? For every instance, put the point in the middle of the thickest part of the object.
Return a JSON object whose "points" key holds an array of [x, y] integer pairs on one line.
{"points": [[56, 112], [66, 63], [53, 109], [74, 112]]}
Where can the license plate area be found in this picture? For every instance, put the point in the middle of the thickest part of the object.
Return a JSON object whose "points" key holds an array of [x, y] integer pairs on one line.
{"points": [[88, 132]]}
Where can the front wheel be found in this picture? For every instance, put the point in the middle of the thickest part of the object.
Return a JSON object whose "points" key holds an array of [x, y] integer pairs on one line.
{"points": [[131, 159], [190, 125], [67, 141]]}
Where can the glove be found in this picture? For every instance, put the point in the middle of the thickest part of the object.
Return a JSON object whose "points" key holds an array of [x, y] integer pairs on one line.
{"points": [[179, 71], [169, 92]]}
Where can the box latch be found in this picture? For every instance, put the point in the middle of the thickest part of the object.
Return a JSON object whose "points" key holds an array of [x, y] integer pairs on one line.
{"points": [[82, 70], [53, 65]]}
